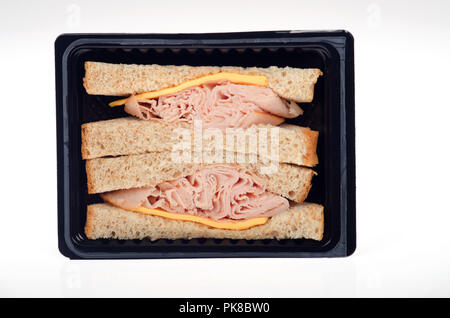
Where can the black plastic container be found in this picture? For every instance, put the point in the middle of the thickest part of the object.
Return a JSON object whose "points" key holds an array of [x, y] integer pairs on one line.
{"points": [[331, 113]]}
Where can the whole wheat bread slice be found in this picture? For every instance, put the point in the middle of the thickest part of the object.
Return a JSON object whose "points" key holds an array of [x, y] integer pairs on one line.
{"points": [[126, 136], [133, 171], [304, 220], [125, 79]]}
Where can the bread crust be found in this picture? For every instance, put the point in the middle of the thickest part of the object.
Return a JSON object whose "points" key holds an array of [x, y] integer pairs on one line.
{"points": [[125, 79], [310, 154], [304, 220]]}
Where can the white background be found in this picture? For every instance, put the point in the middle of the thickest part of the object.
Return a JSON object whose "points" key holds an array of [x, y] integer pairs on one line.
{"points": [[402, 52]]}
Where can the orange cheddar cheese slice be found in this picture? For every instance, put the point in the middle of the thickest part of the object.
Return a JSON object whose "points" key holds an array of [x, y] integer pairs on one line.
{"points": [[226, 225], [235, 78]]}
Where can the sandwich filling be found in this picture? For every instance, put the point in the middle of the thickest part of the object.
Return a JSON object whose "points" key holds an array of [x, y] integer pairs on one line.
{"points": [[218, 193], [236, 78], [218, 104]]}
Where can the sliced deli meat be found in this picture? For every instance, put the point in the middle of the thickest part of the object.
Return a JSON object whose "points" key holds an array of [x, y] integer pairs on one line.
{"points": [[216, 192], [217, 104]]}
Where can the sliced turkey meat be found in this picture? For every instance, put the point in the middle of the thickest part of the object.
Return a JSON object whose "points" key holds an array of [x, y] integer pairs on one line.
{"points": [[218, 105], [216, 192]]}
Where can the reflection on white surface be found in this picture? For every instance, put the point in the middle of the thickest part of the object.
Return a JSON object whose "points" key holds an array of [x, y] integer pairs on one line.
{"points": [[164, 278], [402, 129], [70, 278]]}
